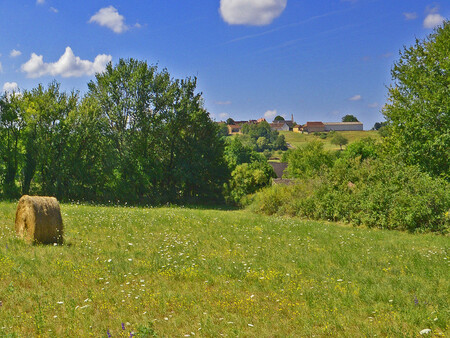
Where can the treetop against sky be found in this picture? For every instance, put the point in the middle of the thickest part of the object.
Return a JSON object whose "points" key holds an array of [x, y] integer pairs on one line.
{"points": [[318, 60]]}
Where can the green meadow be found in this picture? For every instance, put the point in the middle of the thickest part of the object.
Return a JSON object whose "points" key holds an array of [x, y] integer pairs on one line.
{"points": [[179, 272]]}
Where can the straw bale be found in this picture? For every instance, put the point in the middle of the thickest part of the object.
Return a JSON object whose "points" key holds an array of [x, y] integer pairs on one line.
{"points": [[38, 220]]}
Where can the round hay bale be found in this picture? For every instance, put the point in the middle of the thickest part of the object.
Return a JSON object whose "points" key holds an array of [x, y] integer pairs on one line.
{"points": [[38, 220]]}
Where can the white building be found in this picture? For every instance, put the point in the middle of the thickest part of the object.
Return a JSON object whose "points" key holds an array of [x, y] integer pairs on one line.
{"points": [[343, 126]]}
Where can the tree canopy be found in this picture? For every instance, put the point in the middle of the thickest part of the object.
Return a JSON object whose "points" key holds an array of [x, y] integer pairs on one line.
{"points": [[137, 135], [339, 140], [418, 109], [349, 118]]}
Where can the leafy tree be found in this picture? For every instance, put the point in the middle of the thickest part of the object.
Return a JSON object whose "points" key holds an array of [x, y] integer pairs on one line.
{"points": [[418, 111], [278, 118], [280, 143], [248, 178], [339, 139], [273, 141], [45, 112], [349, 118], [364, 148], [165, 146], [223, 129], [11, 128], [237, 153], [309, 160], [379, 125], [262, 143], [230, 121], [249, 170]]}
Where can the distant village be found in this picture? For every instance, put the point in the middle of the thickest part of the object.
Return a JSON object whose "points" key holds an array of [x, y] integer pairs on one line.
{"points": [[289, 125]]}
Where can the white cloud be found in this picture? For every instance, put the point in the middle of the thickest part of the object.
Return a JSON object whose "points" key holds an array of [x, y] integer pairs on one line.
{"points": [[222, 103], [68, 65], [110, 17], [270, 114], [14, 53], [432, 20], [373, 105], [54, 10], [410, 15], [40, 2], [251, 12], [355, 98], [1, 68], [223, 115], [10, 87]]}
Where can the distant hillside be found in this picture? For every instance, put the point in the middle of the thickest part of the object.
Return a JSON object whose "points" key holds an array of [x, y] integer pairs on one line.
{"points": [[297, 139]]}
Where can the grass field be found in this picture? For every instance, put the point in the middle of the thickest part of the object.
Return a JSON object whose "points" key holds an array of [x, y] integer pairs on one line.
{"points": [[176, 272], [298, 139]]}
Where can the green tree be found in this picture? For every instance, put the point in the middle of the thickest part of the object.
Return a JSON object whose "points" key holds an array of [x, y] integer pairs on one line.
{"points": [[165, 146], [379, 125], [45, 112], [230, 121], [262, 143], [278, 118], [364, 148], [11, 127], [339, 140], [349, 118], [223, 129], [280, 143], [418, 109], [309, 160]]}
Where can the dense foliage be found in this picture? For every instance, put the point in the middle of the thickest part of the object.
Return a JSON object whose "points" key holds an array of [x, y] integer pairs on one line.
{"points": [[250, 171], [137, 135], [376, 193], [261, 137], [308, 161], [349, 118], [418, 111]]}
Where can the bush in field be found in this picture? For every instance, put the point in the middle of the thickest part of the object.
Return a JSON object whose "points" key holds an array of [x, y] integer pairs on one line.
{"points": [[309, 160], [249, 170], [364, 149], [247, 178], [375, 193]]}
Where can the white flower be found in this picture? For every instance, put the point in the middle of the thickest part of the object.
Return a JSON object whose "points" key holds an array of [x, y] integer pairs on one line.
{"points": [[425, 331]]}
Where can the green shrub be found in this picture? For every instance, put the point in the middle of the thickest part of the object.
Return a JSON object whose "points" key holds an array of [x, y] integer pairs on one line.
{"points": [[309, 160], [375, 193]]}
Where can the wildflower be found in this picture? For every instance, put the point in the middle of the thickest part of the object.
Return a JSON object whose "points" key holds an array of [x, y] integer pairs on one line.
{"points": [[416, 301], [123, 326], [109, 334], [425, 331]]}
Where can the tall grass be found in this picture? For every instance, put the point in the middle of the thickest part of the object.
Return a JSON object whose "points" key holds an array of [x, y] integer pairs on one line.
{"points": [[181, 272]]}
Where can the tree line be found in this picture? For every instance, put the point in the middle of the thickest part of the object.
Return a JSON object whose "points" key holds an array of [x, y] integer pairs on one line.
{"points": [[136, 136]]}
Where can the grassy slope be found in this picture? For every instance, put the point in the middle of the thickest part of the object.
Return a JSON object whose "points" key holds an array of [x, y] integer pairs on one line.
{"points": [[177, 272], [298, 139]]}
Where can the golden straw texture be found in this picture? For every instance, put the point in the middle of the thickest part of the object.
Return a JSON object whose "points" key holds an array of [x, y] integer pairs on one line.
{"points": [[38, 220]]}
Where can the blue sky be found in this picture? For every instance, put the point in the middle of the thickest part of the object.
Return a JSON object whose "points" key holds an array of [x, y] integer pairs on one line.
{"points": [[317, 60]]}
